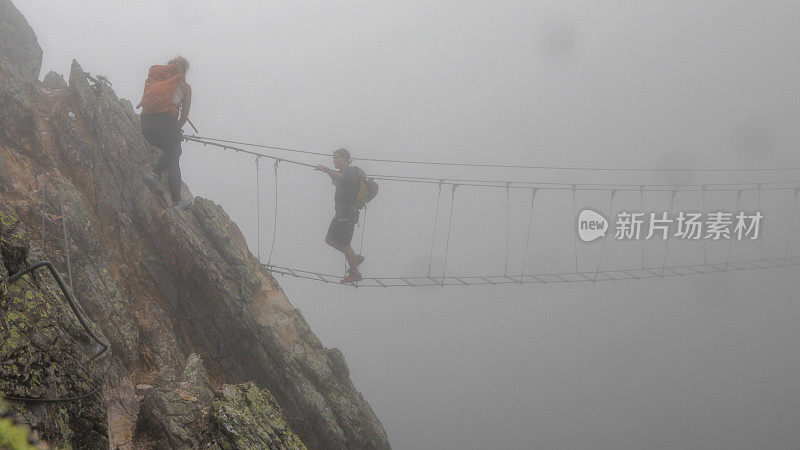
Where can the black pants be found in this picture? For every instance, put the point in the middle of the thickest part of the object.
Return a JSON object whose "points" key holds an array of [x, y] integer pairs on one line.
{"points": [[161, 131]]}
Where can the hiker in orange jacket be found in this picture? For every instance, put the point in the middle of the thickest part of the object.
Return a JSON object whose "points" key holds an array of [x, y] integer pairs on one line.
{"points": [[165, 109]]}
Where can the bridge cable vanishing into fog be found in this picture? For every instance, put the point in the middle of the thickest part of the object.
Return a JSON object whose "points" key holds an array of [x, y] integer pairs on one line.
{"points": [[499, 166], [576, 275]]}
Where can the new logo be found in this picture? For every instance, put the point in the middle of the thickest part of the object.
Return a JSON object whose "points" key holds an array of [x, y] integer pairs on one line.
{"points": [[591, 225]]}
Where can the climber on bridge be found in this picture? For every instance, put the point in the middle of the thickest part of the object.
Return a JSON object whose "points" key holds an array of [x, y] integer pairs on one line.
{"points": [[340, 232], [165, 109]]}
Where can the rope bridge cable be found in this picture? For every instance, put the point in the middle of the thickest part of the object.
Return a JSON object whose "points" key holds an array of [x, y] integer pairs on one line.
{"points": [[44, 202], [705, 211], [791, 224], [621, 274], [564, 186], [491, 279], [505, 268], [435, 223], [275, 216], [449, 227], [258, 210], [74, 307], [516, 184], [522, 183], [574, 218], [64, 226], [666, 245], [247, 152], [507, 166], [363, 233], [730, 244], [270, 147], [641, 208], [528, 237], [759, 209], [605, 238]]}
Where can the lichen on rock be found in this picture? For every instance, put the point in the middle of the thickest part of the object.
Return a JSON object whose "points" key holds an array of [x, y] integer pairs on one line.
{"points": [[188, 414], [46, 355], [158, 285], [245, 407]]}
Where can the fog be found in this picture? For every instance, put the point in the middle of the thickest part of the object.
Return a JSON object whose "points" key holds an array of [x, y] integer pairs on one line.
{"points": [[703, 361]]}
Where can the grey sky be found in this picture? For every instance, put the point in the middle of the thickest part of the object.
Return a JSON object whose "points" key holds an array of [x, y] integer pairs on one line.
{"points": [[707, 362]]}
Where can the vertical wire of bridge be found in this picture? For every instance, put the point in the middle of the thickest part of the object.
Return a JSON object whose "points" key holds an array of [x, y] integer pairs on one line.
{"points": [[528, 237], [360, 247], [274, 216], [44, 201], [574, 218], [705, 213], [605, 238], [761, 241], [363, 232], [258, 210], [666, 245], [449, 227], [435, 223], [791, 225], [505, 268], [641, 209], [64, 228], [730, 241]]}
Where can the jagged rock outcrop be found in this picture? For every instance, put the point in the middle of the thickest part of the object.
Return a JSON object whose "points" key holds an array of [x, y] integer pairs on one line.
{"points": [[45, 353], [20, 62], [156, 284], [20, 52], [189, 414]]}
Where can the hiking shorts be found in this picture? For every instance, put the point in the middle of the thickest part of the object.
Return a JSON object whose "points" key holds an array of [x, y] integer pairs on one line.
{"points": [[342, 227]]}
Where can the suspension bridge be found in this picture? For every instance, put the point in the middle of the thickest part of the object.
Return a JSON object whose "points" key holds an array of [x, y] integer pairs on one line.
{"points": [[447, 188]]}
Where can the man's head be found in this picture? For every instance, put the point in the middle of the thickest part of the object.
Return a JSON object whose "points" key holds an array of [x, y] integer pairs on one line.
{"points": [[181, 62], [341, 158]]}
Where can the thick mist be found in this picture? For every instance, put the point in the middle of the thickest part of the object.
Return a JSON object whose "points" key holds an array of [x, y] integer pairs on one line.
{"points": [[685, 362]]}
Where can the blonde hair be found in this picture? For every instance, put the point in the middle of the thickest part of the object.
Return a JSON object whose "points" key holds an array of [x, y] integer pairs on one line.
{"points": [[181, 62]]}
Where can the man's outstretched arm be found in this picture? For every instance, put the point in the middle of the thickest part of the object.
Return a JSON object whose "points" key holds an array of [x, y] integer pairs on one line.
{"points": [[334, 174]]}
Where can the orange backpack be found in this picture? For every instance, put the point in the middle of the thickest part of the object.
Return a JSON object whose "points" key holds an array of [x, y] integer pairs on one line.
{"points": [[159, 89]]}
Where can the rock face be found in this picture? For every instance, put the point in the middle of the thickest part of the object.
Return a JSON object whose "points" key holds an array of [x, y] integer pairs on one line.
{"points": [[44, 351], [20, 53], [156, 284], [189, 415]]}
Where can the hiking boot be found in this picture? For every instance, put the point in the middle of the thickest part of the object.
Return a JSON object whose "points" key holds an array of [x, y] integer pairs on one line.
{"points": [[351, 278], [182, 206], [155, 182]]}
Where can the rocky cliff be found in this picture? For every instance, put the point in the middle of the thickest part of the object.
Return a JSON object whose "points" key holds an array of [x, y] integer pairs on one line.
{"points": [[205, 348]]}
